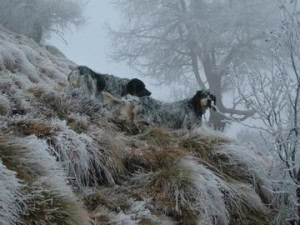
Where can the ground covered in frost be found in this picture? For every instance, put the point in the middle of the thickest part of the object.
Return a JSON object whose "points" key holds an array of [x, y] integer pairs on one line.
{"points": [[64, 159]]}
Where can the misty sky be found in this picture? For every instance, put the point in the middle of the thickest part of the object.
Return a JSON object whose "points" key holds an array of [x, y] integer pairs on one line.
{"points": [[90, 45]]}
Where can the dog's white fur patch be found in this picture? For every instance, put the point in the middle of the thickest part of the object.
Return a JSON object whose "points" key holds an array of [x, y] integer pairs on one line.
{"points": [[122, 109]]}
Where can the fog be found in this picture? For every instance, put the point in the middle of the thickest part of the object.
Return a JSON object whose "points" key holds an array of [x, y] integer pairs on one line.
{"points": [[90, 46], [247, 53]]}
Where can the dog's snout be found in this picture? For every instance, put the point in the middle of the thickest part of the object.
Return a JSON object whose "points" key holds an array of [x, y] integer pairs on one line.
{"points": [[147, 93]]}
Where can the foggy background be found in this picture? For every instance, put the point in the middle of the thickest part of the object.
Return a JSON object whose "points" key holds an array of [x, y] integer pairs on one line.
{"points": [[89, 45]]}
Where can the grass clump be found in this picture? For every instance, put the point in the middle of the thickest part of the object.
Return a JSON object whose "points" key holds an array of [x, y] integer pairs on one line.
{"points": [[57, 104], [3, 110], [158, 137], [77, 124], [49, 200], [208, 151], [36, 91], [37, 127], [152, 159]]}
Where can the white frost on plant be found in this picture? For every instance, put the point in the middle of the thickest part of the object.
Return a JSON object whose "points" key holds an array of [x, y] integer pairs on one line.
{"points": [[36, 156], [206, 130], [21, 55], [194, 187], [241, 155], [80, 156], [11, 198], [206, 189]]}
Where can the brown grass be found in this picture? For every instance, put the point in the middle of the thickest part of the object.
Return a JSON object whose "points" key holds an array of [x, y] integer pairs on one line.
{"points": [[158, 137], [3, 110], [77, 125], [9, 154], [127, 127], [204, 148], [162, 189], [43, 205], [108, 200], [113, 153], [48, 209], [29, 127], [57, 104], [251, 219], [152, 159], [36, 91]]}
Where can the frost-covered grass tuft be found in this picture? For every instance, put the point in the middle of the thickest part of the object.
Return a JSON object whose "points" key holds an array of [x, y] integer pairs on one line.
{"points": [[61, 146], [27, 127], [82, 158], [44, 181], [193, 194], [12, 199]]}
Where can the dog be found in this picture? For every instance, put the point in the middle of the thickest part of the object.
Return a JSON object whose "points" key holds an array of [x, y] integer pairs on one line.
{"points": [[186, 113], [119, 108], [94, 83]]}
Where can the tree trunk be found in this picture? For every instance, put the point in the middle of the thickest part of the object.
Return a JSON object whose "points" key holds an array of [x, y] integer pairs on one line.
{"points": [[215, 84], [196, 68]]}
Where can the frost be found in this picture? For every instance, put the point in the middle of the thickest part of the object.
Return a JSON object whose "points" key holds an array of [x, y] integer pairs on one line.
{"points": [[65, 146], [11, 198], [80, 157], [35, 155]]}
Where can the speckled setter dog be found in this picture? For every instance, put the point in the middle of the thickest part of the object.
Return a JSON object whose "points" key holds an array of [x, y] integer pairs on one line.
{"points": [[94, 83], [186, 113]]}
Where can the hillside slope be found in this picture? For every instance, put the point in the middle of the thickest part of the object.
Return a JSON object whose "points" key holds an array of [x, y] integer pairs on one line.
{"points": [[64, 159]]}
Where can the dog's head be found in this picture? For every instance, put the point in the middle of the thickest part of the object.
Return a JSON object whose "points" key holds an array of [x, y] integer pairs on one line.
{"points": [[202, 100], [137, 88]]}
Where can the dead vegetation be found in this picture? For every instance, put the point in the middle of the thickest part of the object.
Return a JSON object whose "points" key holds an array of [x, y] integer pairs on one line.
{"points": [[37, 127], [173, 177], [42, 202], [63, 147]]}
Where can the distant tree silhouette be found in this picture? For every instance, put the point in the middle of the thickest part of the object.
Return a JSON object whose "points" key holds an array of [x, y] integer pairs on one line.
{"points": [[194, 43], [36, 18]]}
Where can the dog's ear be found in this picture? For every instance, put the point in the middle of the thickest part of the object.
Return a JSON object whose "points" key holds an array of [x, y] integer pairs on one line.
{"points": [[196, 102], [213, 98], [100, 83]]}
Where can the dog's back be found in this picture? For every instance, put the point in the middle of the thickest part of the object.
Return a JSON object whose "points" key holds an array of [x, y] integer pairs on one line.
{"points": [[175, 115], [93, 83], [114, 85], [89, 81]]}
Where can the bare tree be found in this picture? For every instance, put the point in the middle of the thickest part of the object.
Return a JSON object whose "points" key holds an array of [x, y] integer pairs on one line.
{"points": [[274, 94], [35, 18], [194, 42]]}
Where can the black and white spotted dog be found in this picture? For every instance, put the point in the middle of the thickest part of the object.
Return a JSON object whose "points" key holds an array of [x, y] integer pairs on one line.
{"points": [[94, 83], [186, 113]]}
